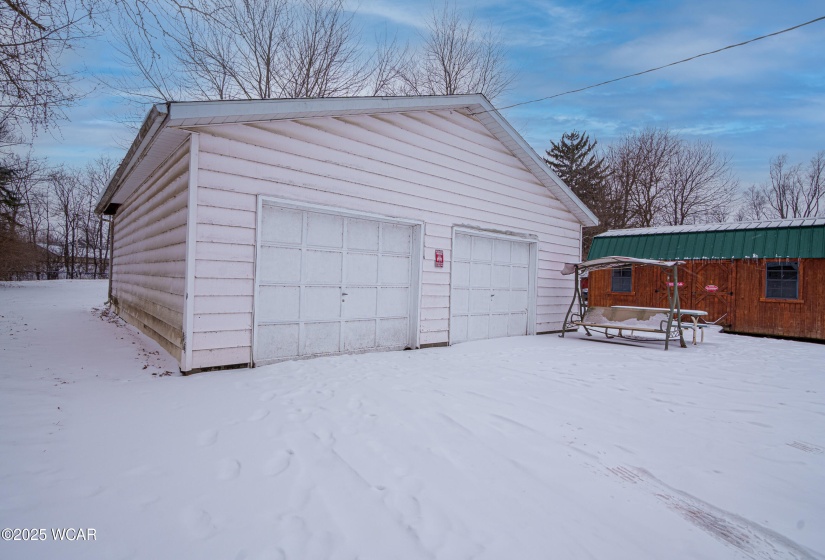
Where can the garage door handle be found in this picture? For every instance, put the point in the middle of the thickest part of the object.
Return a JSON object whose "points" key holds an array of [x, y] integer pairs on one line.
{"points": [[344, 294]]}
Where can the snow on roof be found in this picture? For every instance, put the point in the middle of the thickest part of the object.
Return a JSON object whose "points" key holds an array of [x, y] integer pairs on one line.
{"points": [[613, 262], [727, 226]]}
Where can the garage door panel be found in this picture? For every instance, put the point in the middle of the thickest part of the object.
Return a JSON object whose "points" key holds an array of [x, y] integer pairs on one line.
{"points": [[279, 303], [462, 248], [282, 225], [396, 239], [500, 302], [362, 268], [321, 302], [499, 325], [362, 235], [280, 264], [458, 328], [478, 327], [479, 301], [501, 276], [480, 275], [518, 324], [360, 302], [321, 338], [520, 254], [460, 302], [393, 333], [278, 341], [393, 302], [518, 301], [501, 250], [325, 230], [394, 270], [519, 277], [482, 249], [461, 274], [359, 335], [322, 267]]}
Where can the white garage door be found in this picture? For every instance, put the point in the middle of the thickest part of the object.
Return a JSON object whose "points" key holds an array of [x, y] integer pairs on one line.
{"points": [[330, 283], [491, 288]]}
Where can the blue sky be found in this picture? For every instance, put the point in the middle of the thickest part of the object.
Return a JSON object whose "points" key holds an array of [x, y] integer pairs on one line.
{"points": [[753, 102]]}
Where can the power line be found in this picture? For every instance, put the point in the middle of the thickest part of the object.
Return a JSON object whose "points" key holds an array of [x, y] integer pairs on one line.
{"points": [[664, 66]]}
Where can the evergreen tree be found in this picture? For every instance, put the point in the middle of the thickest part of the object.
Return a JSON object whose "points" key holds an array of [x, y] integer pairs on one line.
{"points": [[575, 160], [8, 203]]}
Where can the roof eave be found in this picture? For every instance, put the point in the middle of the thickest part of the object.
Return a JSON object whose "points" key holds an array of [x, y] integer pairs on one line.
{"points": [[152, 124]]}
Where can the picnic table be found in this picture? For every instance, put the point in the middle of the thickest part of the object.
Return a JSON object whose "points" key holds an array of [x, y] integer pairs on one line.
{"points": [[693, 314]]}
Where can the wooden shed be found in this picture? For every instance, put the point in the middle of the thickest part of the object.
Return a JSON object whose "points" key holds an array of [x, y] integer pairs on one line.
{"points": [[248, 232], [762, 278]]}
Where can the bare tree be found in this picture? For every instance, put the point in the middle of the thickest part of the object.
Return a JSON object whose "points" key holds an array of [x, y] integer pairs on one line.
{"points": [[813, 186], [794, 191], [258, 49], [753, 206], [639, 170], [658, 178], [699, 185], [35, 87], [69, 211], [95, 230], [784, 190], [391, 62], [321, 55], [458, 57], [239, 49]]}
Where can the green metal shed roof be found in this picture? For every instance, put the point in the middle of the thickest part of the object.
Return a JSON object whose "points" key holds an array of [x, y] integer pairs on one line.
{"points": [[799, 238]]}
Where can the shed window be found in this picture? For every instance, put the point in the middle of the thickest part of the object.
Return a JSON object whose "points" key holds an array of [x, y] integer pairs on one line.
{"points": [[622, 279], [782, 281]]}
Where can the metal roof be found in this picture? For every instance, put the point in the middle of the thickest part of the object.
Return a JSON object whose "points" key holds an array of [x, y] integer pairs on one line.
{"points": [[800, 238], [727, 226], [168, 125]]}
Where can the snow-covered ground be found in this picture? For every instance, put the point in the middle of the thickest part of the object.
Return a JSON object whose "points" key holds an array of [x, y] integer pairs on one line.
{"points": [[520, 448]]}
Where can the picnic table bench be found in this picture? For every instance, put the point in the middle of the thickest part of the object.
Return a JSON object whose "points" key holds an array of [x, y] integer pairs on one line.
{"points": [[693, 314], [623, 319]]}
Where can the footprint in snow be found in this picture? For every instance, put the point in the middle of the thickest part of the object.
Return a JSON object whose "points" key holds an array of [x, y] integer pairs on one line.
{"points": [[207, 438], [278, 463], [228, 469], [258, 415], [198, 523], [268, 396]]}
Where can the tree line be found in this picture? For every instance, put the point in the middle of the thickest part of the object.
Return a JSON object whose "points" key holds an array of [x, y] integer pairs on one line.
{"points": [[48, 228], [253, 49], [655, 177]]}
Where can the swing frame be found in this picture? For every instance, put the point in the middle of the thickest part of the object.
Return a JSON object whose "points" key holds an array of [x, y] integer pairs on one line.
{"points": [[618, 318]]}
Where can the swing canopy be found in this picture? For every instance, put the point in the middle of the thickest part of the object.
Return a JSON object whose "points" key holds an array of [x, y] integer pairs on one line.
{"points": [[614, 262]]}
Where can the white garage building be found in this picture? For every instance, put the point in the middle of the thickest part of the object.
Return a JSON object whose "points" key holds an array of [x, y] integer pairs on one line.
{"points": [[248, 232]]}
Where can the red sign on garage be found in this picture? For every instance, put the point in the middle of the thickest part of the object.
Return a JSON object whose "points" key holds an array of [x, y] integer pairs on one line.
{"points": [[439, 258]]}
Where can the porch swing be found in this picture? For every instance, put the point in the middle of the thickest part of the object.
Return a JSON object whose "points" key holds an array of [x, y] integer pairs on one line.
{"points": [[626, 321]]}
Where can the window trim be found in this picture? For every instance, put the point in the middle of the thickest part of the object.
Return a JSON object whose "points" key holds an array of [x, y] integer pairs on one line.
{"points": [[764, 284], [623, 292]]}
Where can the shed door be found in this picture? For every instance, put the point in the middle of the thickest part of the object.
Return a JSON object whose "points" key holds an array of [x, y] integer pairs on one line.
{"points": [[491, 288], [329, 283]]}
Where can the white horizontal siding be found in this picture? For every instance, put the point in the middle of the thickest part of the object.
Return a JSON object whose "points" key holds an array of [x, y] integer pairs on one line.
{"points": [[443, 168], [149, 245]]}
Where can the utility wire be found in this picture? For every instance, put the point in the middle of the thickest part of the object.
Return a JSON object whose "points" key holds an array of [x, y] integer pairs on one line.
{"points": [[660, 67]]}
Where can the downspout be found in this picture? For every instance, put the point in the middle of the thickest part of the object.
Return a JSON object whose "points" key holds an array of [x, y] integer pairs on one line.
{"points": [[191, 240]]}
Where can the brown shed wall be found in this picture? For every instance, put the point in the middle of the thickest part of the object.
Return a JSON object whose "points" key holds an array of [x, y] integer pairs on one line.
{"points": [[739, 304]]}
